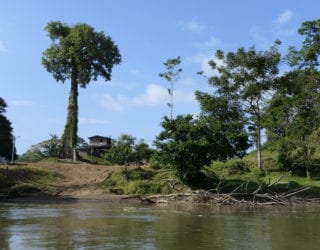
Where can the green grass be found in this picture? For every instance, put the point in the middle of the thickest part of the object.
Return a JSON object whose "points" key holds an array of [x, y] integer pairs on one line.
{"points": [[142, 181], [18, 180], [233, 173], [269, 159], [242, 173], [94, 159], [238, 173]]}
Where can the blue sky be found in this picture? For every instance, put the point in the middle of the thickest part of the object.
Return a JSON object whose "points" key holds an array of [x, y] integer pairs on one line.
{"points": [[148, 32]]}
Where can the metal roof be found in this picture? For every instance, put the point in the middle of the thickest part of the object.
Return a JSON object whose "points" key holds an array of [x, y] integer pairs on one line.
{"points": [[98, 136]]}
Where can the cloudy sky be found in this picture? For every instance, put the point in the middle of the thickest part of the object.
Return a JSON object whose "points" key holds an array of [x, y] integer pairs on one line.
{"points": [[147, 33]]}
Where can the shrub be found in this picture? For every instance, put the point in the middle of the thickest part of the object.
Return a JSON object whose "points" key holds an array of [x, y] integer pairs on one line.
{"points": [[227, 168], [22, 188], [139, 181], [142, 187]]}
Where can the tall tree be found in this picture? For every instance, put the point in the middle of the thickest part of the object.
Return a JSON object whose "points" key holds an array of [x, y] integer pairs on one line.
{"points": [[171, 75], [247, 76], [294, 119], [294, 109], [6, 136], [308, 56], [80, 54]]}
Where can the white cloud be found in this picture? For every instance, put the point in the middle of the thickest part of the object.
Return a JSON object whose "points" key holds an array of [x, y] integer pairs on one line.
{"points": [[203, 61], [192, 26], [284, 17], [153, 95], [157, 94], [113, 103], [21, 102], [211, 43], [181, 96], [187, 82], [83, 120], [280, 28], [2, 47]]}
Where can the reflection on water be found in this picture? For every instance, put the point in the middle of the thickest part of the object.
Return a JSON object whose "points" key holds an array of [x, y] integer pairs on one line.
{"points": [[99, 225]]}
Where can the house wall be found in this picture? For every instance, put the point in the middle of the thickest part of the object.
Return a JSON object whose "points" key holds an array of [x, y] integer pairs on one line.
{"points": [[100, 141]]}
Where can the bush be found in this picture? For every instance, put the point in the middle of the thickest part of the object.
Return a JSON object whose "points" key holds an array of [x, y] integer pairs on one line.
{"points": [[3, 181], [139, 173], [140, 181], [227, 168], [142, 187], [23, 188], [125, 151]]}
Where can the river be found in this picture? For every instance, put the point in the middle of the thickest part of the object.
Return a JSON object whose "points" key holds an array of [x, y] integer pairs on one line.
{"points": [[100, 225]]}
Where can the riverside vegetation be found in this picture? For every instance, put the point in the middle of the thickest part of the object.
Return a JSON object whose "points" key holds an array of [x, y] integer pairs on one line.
{"points": [[235, 182], [201, 158]]}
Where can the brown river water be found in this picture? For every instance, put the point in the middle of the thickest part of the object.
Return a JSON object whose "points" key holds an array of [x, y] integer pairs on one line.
{"points": [[102, 225]]}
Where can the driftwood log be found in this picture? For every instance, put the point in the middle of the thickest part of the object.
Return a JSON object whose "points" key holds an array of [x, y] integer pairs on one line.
{"points": [[239, 195]]}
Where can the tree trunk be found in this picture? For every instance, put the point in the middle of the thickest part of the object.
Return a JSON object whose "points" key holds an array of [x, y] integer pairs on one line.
{"points": [[308, 174], [71, 127], [171, 101], [259, 146]]}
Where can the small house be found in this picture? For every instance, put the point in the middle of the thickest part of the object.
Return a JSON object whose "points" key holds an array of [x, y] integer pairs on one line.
{"points": [[97, 146], [99, 141]]}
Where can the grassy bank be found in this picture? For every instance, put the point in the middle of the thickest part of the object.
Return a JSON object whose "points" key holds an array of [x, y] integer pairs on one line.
{"points": [[22, 180], [272, 178], [42, 179]]}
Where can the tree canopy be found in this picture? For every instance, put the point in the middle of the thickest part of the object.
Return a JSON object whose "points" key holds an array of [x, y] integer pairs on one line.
{"points": [[45, 149], [80, 54], [308, 55], [6, 136], [125, 150], [246, 77]]}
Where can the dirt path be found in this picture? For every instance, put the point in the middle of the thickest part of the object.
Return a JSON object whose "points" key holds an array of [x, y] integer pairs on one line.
{"points": [[79, 180]]}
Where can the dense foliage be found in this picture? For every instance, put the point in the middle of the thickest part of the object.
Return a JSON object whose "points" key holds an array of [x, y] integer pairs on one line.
{"points": [[6, 136], [294, 117], [45, 149], [187, 144], [249, 98], [246, 77], [125, 150], [50, 148]]}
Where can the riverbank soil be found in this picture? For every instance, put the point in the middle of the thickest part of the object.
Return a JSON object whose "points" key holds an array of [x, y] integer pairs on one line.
{"points": [[63, 180]]}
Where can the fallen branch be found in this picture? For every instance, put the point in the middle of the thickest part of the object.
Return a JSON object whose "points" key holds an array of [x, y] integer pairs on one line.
{"points": [[234, 197], [297, 191], [276, 181]]}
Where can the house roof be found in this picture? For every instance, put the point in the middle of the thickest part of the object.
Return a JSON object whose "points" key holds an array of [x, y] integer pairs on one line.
{"points": [[98, 137]]}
